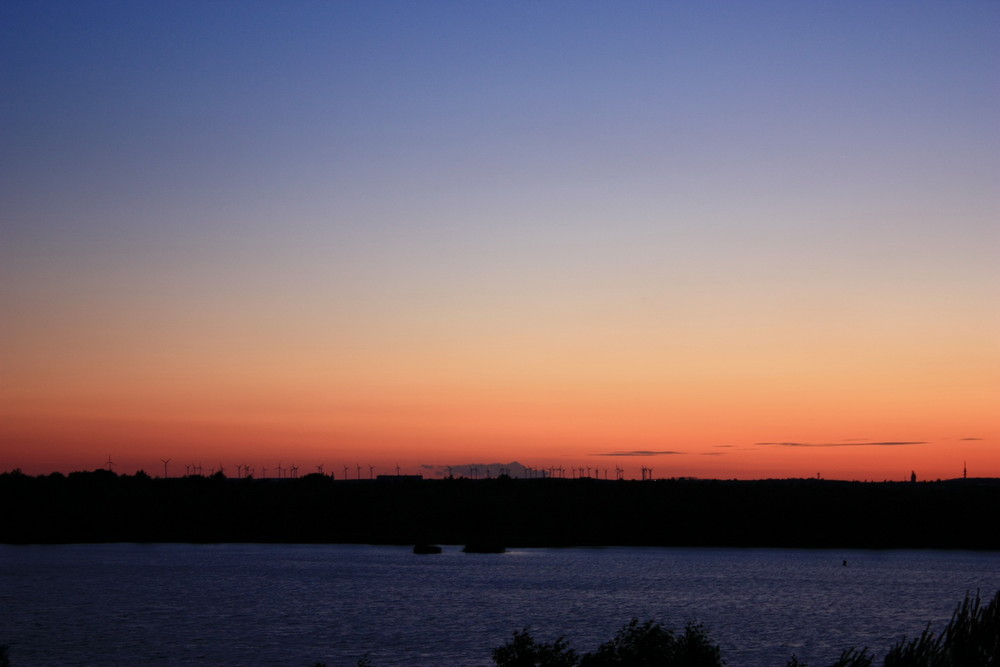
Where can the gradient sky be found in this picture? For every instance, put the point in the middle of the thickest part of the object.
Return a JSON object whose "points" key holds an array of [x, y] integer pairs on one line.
{"points": [[720, 239]]}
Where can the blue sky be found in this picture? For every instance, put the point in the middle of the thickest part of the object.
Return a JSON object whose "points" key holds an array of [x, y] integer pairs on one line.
{"points": [[602, 192]]}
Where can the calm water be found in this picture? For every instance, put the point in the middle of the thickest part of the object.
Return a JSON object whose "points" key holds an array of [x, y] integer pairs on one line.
{"points": [[238, 604]]}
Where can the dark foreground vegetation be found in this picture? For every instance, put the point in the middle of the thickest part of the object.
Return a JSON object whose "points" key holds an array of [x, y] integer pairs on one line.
{"points": [[101, 506], [636, 644], [971, 639]]}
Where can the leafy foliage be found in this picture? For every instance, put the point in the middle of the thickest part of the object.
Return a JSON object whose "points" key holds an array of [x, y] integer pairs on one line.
{"points": [[524, 651], [638, 644], [635, 645]]}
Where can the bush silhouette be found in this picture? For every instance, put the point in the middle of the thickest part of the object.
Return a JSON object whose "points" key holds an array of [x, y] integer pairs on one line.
{"points": [[524, 651], [635, 645]]}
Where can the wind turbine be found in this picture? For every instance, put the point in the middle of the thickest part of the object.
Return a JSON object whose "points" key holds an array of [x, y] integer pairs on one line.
{"points": [[358, 465], [347, 468], [319, 468], [165, 462], [371, 471]]}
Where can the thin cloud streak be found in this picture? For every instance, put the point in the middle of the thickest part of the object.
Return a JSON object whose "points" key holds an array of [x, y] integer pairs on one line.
{"points": [[839, 444], [640, 452]]}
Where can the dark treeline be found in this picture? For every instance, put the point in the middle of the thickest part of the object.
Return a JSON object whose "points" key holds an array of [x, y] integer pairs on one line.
{"points": [[101, 506]]}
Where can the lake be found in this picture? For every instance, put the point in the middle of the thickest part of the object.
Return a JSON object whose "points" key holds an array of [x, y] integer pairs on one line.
{"points": [[295, 605]]}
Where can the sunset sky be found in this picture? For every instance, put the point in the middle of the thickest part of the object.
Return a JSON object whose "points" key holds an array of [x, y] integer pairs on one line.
{"points": [[718, 239]]}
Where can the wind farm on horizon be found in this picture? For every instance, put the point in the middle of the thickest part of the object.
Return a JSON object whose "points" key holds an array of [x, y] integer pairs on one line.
{"points": [[472, 471]]}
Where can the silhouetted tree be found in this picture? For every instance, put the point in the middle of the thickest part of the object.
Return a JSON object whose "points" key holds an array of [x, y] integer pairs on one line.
{"points": [[637, 644], [649, 644], [524, 651]]}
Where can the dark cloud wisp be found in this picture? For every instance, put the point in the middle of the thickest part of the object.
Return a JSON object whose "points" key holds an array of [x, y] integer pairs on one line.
{"points": [[839, 444], [640, 452]]}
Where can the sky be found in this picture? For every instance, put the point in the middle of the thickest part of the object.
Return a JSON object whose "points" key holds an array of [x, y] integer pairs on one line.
{"points": [[716, 239]]}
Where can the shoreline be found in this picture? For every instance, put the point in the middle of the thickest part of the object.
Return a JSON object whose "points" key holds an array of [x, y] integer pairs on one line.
{"points": [[101, 507]]}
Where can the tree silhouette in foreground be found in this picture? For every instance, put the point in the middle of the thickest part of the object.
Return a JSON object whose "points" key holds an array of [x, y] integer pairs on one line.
{"points": [[524, 651], [636, 645]]}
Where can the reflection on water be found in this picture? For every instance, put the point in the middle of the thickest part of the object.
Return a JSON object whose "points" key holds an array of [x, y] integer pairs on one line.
{"points": [[300, 604]]}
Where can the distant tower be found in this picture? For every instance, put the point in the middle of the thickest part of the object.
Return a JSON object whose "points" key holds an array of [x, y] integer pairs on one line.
{"points": [[913, 476], [965, 471]]}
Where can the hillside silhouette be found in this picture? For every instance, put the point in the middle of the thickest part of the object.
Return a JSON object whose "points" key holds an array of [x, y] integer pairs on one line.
{"points": [[101, 506]]}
